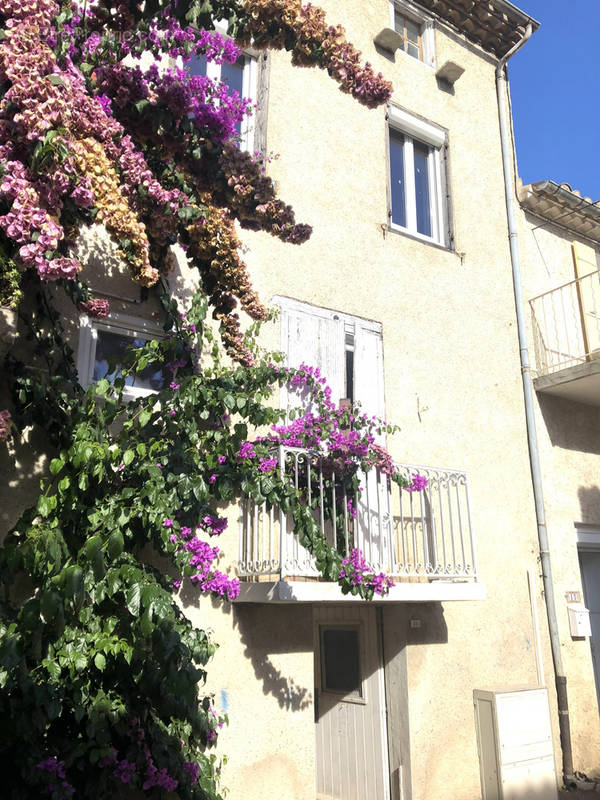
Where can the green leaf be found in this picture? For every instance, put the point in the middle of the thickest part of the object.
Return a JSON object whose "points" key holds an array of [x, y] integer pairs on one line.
{"points": [[144, 418], [102, 387], [128, 457], [229, 401], [146, 624], [53, 668], [132, 599], [100, 661], [267, 485], [92, 547], [64, 484], [115, 545], [56, 80], [46, 504], [56, 465]]}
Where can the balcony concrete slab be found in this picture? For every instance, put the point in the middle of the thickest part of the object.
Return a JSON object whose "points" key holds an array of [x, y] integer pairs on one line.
{"points": [[580, 383], [291, 591]]}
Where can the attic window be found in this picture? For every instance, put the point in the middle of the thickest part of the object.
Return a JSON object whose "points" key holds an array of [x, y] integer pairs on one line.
{"points": [[414, 30], [411, 35]]}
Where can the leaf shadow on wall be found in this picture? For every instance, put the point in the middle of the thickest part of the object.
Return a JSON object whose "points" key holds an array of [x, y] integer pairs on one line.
{"points": [[268, 630]]}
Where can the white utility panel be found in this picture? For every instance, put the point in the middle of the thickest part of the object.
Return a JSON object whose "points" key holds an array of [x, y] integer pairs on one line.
{"points": [[579, 620], [514, 739]]}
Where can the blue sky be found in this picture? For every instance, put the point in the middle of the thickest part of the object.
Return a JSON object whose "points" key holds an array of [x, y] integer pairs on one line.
{"points": [[555, 95]]}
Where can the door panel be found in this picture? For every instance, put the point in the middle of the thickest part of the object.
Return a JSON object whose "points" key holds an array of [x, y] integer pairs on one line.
{"points": [[590, 574], [349, 705]]}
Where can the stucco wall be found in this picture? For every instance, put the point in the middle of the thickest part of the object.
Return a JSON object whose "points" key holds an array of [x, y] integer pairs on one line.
{"points": [[452, 374]]}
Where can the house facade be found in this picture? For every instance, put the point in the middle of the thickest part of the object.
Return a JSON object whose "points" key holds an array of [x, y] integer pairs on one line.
{"points": [[404, 297]]}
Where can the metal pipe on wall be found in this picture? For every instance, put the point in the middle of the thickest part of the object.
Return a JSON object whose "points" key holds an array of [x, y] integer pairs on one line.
{"points": [[560, 677]]}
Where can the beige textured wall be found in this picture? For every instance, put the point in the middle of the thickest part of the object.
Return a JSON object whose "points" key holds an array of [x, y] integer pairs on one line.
{"points": [[569, 442], [450, 350]]}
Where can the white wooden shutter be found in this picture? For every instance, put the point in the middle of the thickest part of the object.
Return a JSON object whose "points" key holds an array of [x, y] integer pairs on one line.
{"points": [[313, 337], [368, 369]]}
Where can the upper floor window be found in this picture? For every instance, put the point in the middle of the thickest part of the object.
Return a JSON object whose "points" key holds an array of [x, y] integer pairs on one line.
{"points": [[415, 161], [410, 32], [102, 346], [415, 29], [241, 78]]}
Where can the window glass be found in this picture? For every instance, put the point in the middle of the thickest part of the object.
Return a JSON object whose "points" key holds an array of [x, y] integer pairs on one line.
{"points": [[233, 76], [111, 347], [397, 179], [197, 65], [410, 31], [422, 197], [340, 654], [350, 375], [412, 39]]}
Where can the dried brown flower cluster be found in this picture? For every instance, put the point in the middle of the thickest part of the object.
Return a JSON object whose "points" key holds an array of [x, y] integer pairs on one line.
{"points": [[113, 209]]}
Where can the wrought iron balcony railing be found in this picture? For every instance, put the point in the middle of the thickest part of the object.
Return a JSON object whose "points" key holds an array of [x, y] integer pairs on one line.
{"points": [[425, 534], [566, 324]]}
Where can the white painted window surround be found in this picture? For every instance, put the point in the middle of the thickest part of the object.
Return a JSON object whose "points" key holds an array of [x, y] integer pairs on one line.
{"points": [[120, 325], [319, 337], [410, 136], [425, 23]]}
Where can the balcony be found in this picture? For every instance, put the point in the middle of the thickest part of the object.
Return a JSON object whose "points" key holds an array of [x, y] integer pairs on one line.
{"points": [[422, 540], [566, 328]]}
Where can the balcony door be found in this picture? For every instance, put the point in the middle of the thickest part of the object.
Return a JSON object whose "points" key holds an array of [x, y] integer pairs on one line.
{"points": [[352, 755]]}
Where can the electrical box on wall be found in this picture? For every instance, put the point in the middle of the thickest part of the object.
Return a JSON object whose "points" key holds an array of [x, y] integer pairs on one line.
{"points": [[514, 739], [579, 620]]}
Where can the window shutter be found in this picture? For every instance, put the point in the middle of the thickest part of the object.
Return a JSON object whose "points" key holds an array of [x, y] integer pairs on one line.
{"points": [[368, 370], [315, 339]]}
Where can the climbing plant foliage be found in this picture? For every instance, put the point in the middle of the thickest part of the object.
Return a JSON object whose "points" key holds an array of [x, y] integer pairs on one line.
{"points": [[101, 672]]}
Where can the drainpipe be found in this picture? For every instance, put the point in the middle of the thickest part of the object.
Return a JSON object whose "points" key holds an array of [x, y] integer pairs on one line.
{"points": [[561, 679]]}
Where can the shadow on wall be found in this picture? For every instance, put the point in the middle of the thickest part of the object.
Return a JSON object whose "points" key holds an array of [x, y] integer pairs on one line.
{"points": [[265, 630], [589, 503], [570, 425], [20, 473]]}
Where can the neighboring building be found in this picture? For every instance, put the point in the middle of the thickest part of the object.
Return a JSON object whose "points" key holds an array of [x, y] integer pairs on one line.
{"points": [[560, 259]]}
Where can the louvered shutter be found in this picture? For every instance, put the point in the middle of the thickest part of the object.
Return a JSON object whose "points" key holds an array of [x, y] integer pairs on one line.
{"points": [[313, 337]]}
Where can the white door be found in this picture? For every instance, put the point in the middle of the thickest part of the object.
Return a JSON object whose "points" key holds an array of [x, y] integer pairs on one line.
{"points": [[352, 760], [590, 575]]}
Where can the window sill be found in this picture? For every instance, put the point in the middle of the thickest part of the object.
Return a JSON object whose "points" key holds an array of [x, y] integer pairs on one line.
{"points": [[430, 63], [418, 237]]}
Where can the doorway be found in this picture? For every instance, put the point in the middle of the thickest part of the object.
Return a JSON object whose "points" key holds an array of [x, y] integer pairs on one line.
{"points": [[589, 561], [352, 753]]}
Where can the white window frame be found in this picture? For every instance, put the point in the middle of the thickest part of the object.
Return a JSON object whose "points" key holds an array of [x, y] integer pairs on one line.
{"points": [[249, 86], [415, 129], [122, 324], [425, 22]]}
